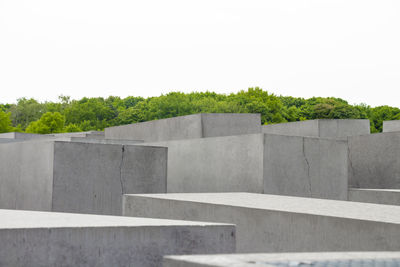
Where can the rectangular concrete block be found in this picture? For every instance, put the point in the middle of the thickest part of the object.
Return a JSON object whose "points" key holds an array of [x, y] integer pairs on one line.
{"points": [[378, 196], [374, 161], [391, 126], [367, 259], [62, 239], [336, 129], [258, 163], [77, 177], [305, 167], [188, 127], [271, 223], [22, 136]]}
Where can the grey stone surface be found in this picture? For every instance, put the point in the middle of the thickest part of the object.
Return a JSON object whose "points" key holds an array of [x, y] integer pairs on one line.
{"points": [[379, 196], [391, 126], [188, 127], [104, 141], [62, 239], [337, 129], [89, 134], [271, 223], [305, 167], [77, 177], [375, 161], [23, 136], [275, 164], [321, 259]]}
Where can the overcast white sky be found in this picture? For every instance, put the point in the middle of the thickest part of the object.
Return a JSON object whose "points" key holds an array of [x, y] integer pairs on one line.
{"points": [[342, 48]]}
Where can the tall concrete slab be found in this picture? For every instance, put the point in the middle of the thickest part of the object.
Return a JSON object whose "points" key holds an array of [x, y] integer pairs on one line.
{"points": [[337, 129], [188, 127], [391, 126], [378, 196], [272, 223], [77, 177], [305, 167], [375, 161], [62, 239], [367, 259], [258, 163]]}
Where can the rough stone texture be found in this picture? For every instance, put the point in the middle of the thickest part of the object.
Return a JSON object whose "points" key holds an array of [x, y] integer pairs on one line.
{"points": [[368, 259], [305, 167], [271, 223], [375, 161], [379, 196], [77, 177], [337, 129], [391, 126], [188, 127], [62, 239], [275, 164]]}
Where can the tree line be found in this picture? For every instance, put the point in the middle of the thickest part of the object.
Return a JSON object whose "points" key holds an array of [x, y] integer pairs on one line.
{"points": [[66, 115]]}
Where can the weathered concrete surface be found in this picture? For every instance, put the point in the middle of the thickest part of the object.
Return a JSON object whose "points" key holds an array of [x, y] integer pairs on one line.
{"points": [[188, 127], [89, 134], [104, 141], [275, 164], [370, 259], [378, 196], [271, 223], [375, 161], [391, 126], [23, 136], [337, 129], [305, 167], [62, 239], [77, 177]]}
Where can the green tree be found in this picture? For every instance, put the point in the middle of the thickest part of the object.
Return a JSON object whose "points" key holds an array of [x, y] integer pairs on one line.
{"points": [[5, 122], [50, 122]]}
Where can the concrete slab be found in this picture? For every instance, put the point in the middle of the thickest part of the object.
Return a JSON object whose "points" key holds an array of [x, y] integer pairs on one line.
{"points": [[271, 223], [188, 127], [391, 126], [63, 239], [337, 129], [78, 177], [88, 134], [23, 136], [353, 259], [378, 196], [258, 163], [375, 161]]}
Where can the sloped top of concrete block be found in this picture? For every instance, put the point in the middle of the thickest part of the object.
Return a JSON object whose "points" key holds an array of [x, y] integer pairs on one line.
{"points": [[17, 219], [337, 129], [313, 206], [188, 127], [292, 259], [391, 126]]}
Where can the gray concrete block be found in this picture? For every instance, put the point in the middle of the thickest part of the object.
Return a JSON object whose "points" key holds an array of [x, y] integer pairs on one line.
{"points": [[351, 259], [274, 164], [188, 127], [62, 239], [271, 223], [378, 196], [374, 161], [22, 136], [391, 126], [337, 129], [88, 134], [305, 167], [77, 177]]}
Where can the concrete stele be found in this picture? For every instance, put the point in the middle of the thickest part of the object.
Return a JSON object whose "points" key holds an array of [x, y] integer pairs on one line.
{"points": [[378, 196], [272, 223], [366, 259], [29, 238]]}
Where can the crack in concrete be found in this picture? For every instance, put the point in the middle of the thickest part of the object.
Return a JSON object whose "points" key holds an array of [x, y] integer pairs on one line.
{"points": [[351, 172], [120, 169], [308, 167]]}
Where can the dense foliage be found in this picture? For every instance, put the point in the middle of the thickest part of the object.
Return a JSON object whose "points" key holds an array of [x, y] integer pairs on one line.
{"points": [[97, 113]]}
